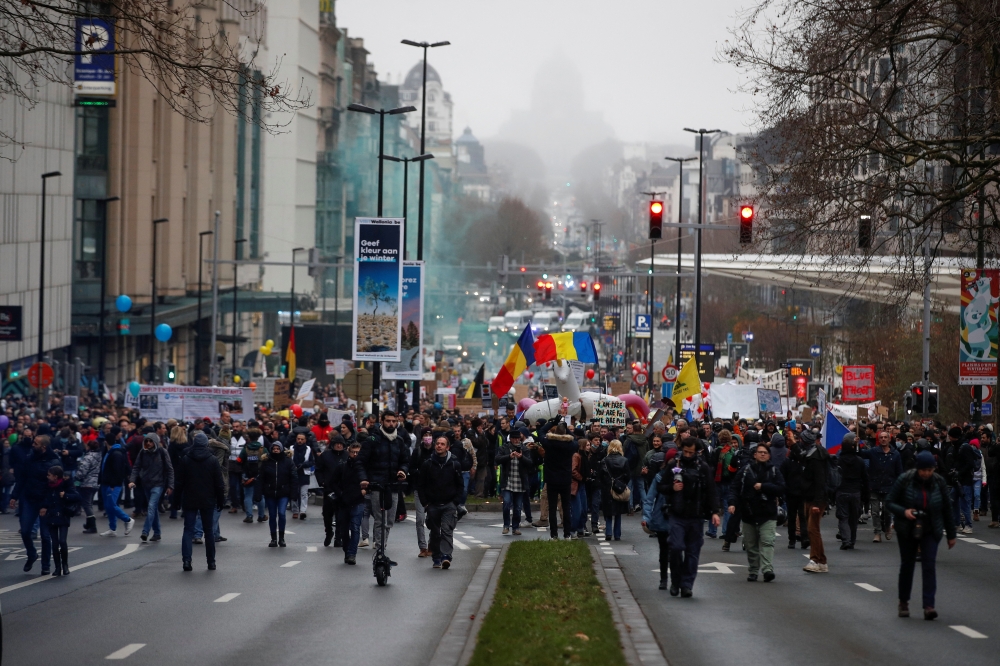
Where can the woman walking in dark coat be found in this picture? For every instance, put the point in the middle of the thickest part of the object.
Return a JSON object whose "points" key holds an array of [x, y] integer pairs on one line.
{"points": [[275, 485], [615, 477], [60, 503]]}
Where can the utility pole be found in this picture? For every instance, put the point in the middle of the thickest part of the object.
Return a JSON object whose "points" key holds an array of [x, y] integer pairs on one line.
{"points": [[214, 365], [680, 241]]}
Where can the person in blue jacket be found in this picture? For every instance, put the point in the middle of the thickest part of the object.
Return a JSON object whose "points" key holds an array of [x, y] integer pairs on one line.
{"points": [[60, 503], [654, 518]]}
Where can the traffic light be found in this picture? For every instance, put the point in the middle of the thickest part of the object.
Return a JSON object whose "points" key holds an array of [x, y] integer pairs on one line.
{"points": [[655, 220], [171, 372], [746, 225], [583, 286], [917, 399], [597, 291], [865, 232], [540, 286], [908, 402], [548, 291], [931, 401]]}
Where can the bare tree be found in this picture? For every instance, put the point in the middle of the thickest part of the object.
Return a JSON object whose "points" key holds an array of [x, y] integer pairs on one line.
{"points": [[191, 51], [879, 108]]}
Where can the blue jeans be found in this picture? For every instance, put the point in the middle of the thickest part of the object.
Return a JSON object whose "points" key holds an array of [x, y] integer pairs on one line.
{"points": [[638, 492], [686, 539], [966, 505], [465, 487], [28, 517], [248, 504], [578, 510], [928, 560], [276, 513], [191, 516], [199, 529], [512, 502], [977, 488], [110, 496], [350, 516], [153, 513], [613, 525]]}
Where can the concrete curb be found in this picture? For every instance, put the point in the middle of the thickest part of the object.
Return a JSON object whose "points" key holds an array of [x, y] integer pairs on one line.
{"points": [[459, 640], [638, 641]]}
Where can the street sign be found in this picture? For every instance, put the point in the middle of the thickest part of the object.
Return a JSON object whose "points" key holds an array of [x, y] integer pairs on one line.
{"points": [[357, 384], [986, 408], [669, 373], [40, 375], [643, 325], [748, 336], [641, 378], [815, 351], [987, 392]]}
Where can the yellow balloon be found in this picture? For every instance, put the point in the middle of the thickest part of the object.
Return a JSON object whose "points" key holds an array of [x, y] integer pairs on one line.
{"points": [[236, 378], [269, 344], [264, 350]]}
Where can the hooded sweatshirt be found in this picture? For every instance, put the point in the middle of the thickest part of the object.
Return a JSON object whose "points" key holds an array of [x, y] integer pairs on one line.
{"points": [[199, 477], [779, 450]]}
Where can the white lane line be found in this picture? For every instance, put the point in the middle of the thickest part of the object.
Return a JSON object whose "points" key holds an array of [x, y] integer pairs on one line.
{"points": [[461, 546], [471, 540], [989, 546], [291, 564], [971, 540], [227, 597], [866, 586], [462, 533], [126, 651], [287, 532], [485, 545], [971, 633], [310, 549], [131, 548]]}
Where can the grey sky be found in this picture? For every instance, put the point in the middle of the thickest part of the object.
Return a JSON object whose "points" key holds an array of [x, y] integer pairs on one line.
{"points": [[647, 65]]}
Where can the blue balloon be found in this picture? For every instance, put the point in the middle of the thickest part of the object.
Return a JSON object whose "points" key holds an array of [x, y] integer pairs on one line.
{"points": [[133, 388], [163, 332], [123, 303]]}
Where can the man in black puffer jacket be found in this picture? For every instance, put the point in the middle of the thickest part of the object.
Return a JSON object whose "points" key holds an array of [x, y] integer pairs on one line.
{"points": [[559, 447], [853, 491], [30, 490], [439, 490], [203, 491], [385, 459], [326, 464]]}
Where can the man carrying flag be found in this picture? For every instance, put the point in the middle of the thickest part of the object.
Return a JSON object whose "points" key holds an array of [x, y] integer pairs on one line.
{"points": [[522, 354]]}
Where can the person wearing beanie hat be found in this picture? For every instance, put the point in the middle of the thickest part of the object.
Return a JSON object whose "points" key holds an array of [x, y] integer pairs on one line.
{"points": [[202, 490], [275, 485], [853, 492], [921, 504]]}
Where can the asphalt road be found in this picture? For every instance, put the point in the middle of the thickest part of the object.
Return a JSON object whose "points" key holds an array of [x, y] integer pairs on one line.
{"points": [[257, 608], [847, 616]]}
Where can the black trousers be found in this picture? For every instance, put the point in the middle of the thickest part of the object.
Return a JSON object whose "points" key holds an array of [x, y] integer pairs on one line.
{"points": [[848, 511], [555, 493], [796, 508], [733, 527], [663, 538], [329, 513]]}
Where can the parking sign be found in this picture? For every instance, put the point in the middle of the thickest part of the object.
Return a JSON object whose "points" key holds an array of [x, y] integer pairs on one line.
{"points": [[643, 325]]}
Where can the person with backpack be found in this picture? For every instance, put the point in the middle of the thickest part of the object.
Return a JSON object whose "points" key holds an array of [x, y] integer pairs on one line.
{"points": [[61, 501], [615, 494], [635, 446], [757, 489], [656, 517], [852, 491], [249, 459], [921, 503], [818, 478]]}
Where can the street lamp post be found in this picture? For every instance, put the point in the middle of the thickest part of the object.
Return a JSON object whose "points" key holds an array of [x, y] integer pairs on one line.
{"points": [[201, 327], [406, 169], [236, 293], [680, 239], [423, 146], [41, 290], [382, 113], [291, 311], [697, 256], [104, 285], [152, 311]]}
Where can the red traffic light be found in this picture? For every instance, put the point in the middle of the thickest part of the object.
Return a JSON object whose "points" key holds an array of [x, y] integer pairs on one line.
{"points": [[523, 269], [746, 225], [583, 286], [597, 286], [746, 212], [655, 220], [656, 207], [540, 284]]}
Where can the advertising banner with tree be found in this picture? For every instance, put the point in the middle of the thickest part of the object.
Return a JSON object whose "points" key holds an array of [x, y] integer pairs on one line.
{"points": [[977, 355], [410, 365], [378, 286]]}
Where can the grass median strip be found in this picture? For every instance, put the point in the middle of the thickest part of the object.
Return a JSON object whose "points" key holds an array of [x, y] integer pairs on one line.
{"points": [[548, 609]]}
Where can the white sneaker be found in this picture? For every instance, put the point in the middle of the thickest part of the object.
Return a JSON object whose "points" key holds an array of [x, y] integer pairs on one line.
{"points": [[128, 526], [110, 533], [363, 544], [812, 567], [967, 530], [823, 568]]}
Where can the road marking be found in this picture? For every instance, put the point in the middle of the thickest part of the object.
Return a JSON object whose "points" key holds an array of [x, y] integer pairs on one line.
{"points": [[462, 533], [287, 532], [971, 540], [131, 548], [485, 545], [310, 549], [227, 597], [866, 586], [719, 567], [292, 563], [126, 651], [971, 633], [471, 540], [989, 546], [461, 546]]}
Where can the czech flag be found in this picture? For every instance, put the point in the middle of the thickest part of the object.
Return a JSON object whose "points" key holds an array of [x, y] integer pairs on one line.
{"points": [[521, 356], [833, 433], [569, 346]]}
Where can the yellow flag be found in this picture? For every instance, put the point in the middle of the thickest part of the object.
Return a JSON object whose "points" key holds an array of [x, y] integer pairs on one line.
{"points": [[688, 383]]}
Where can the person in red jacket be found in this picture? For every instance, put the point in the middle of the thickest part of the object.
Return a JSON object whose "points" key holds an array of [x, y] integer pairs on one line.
{"points": [[322, 429]]}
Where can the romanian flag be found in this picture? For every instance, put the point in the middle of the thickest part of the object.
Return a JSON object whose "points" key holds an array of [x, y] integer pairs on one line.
{"points": [[290, 353], [521, 356], [476, 387], [569, 346]]}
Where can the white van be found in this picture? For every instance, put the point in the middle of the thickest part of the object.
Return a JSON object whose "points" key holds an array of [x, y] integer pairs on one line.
{"points": [[578, 321], [494, 324], [545, 322], [515, 321]]}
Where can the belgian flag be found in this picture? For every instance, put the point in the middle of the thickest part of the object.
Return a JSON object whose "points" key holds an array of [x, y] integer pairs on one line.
{"points": [[476, 387]]}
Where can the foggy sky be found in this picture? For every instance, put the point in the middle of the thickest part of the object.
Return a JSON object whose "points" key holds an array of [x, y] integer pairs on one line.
{"points": [[647, 66]]}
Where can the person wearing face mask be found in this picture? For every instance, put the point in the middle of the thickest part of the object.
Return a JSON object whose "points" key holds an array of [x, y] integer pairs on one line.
{"points": [[346, 486], [385, 461], [275, 484], [326, 464], [421, 454], [439, 488]]}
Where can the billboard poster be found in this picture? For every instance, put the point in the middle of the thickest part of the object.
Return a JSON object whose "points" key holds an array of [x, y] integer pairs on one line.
{"points": [[94, 67], [859, 382], [378, 286], [411, 363], [977, 355], [10, 323], [159, 403]]}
